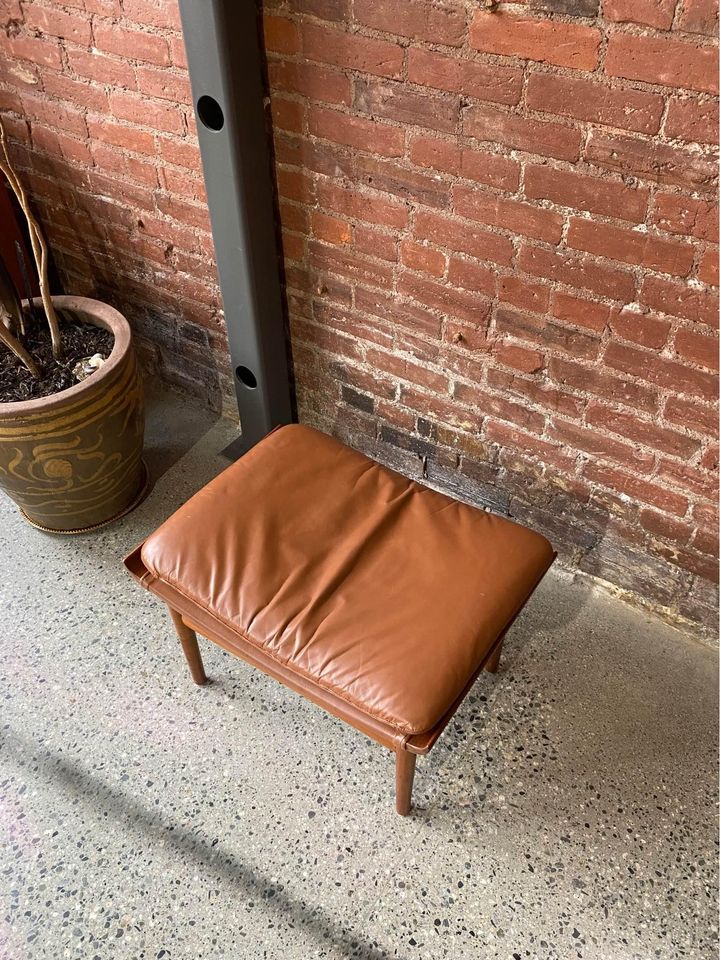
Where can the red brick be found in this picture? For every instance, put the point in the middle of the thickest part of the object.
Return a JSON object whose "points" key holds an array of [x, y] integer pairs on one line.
{"points": [[520, 133], [608, 197], [700, 16], [697, 348], [471, 275], [406, 369], [538, 392], [310, 80], [133, 44], [651, 13], [59, 23], [522, 218], [629, 246], [645, 329], [349, 266], [351, 51], [388, 307], [514, 439], [164, 14], [698, 417], [377, 138], [709, 269], [360, 206], [178, 52], [596, 102], [670, 374], [423, 259], [295, 185], [519, 358], [446, 156], [710, 460], [55, 114], [391, 177], [465, 306], [281, 35], [548, 41], [577, 270], [652, 160], [463, 237], [42, 53], [693, 120], [89, 95], [637, 489], [180, 152], [164, 84], [102, 69], [159, 115], [602, 383], [330, 229], [545, 333], [686, 216], [663, 526], [55, 143], [191, 214], [599, 445], [482, 81], [580, 312], [395, 101], [690, 478], [641, 431], [122, 135], [672, 63], [287, 114], [492, 405], [416, 19], [524, 294], [680, 300]]}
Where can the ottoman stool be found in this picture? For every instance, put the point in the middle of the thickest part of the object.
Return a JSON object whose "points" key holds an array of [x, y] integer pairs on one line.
{"points": [[376, 598]]}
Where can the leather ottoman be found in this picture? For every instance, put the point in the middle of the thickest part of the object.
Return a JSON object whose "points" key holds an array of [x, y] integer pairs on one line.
{"points": [[376, 598]]}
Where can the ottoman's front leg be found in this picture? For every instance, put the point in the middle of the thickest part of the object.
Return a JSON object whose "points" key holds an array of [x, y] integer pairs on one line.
{"points": [[188, 639], [404, 775]]}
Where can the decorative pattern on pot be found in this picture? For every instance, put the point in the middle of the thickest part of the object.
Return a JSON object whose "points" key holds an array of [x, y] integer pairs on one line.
{"points": [[74, 459]]}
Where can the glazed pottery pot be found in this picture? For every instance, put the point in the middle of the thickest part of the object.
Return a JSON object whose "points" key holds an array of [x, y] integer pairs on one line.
{"points": [[73, 460]]}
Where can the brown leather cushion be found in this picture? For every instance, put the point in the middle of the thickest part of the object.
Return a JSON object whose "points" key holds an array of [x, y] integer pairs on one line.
{"points": [[368, 584]]}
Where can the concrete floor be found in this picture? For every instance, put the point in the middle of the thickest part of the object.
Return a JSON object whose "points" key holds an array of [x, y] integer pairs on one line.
{"points": [[567, 812]]}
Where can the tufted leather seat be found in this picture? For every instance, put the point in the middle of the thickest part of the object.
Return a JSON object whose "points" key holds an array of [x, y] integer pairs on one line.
{"points": [[377, 595]]}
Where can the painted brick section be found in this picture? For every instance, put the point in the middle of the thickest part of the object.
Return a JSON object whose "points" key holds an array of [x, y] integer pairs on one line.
{"points": [[499, 229]]}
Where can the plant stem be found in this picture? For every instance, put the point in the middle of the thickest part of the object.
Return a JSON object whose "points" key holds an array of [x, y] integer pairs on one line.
{"points": [[12, 343], [37, 241]]}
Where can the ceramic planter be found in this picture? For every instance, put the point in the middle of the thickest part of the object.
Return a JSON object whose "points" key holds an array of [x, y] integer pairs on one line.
{"points": [[73, 460]]}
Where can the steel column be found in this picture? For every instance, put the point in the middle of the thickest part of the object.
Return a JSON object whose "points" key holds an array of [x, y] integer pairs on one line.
{"points": [[222, 43]]}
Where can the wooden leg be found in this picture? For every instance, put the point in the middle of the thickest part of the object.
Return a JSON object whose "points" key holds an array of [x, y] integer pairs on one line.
{"points": [[494, 661], [404, 774], [189, 643]]}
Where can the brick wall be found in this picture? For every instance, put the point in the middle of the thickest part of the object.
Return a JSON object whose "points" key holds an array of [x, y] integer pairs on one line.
{"points": [[499, 233]]}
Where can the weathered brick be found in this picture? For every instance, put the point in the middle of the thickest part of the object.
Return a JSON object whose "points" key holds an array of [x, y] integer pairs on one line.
{"points": [[698, 417], [600, 382], [60, 23], [672, 63], [670, 374], [599, 445], [697, 348], [641, 431], [351, 50], [524, 294], [394, 101], [700, 16], [522, 218], [417, 19], [310, 80], [637, 488], [693, 120], [577, 270], [629, 246], [680, 300], [482, 81], [595, 102], [465, 238], [651, 13], [608, 197], [548, 41], [281, 35], [686, 216], [520, 133], [356, 132], [446, 156], [709, 268], [653, 160], [645, 329], [133, 44], [545, 333]]}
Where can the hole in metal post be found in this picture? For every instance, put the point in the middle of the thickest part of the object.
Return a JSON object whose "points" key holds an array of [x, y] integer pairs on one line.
{"points": [[246, 377], [210, 113]]}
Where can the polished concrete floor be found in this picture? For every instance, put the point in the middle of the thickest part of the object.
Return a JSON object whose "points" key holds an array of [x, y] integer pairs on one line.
{"points": [[567, 812]]}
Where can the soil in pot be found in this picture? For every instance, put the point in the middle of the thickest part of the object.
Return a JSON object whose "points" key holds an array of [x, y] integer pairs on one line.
{"points": [[79, 340]]}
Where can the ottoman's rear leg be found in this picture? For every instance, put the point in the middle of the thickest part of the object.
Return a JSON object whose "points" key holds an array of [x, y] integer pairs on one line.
{"points": [[189, 643], [404, 774], [494, 660]]}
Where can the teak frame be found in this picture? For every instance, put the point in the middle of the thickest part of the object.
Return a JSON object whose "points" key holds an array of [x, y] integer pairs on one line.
{"points": [[190, 619]]}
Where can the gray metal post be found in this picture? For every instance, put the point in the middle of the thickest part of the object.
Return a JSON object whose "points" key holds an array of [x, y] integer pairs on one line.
{"points": [[221, 39]]}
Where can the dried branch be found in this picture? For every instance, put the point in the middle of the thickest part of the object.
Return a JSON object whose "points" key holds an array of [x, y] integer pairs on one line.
{"points": [[12, 343], [37, 241]]}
